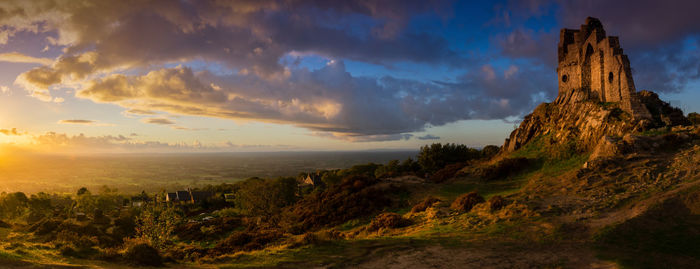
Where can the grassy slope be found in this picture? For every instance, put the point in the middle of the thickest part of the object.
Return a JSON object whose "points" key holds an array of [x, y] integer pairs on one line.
{"points": [[453, 231], [648, 241]]}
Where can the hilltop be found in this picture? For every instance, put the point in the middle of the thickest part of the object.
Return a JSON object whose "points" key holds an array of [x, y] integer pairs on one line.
{"points": [[605, 176]]}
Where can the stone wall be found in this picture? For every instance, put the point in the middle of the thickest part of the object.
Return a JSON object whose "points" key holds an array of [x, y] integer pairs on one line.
{"points": [[592, 61]]}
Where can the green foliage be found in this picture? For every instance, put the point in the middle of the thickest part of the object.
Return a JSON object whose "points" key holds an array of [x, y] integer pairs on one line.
{"points": [[467, 201], [503, 168], [330, 178], [656, 132], [13, 205], [392, 168], [265, 197], [141, 253], [360, 170], [82, 191], [436, 156], [156, 223], [694, 117], [490, 151]]}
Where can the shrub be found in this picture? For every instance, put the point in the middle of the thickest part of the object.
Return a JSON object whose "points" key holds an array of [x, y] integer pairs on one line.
{"points": [[265, 197], [249, 240], [354, 197], [5, 224], [502, 168], [694, 118], [68, 251], [490, 151], [497, 202], [305, 240], [466, 202], [124, 226], [44, 227], [425, 204], [156, 223], [184, 252], [387, 221], [141, 253], [447, 172]]}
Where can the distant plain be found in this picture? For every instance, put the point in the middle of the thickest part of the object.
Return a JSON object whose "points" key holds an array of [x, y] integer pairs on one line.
{"points": [[132, 173]]}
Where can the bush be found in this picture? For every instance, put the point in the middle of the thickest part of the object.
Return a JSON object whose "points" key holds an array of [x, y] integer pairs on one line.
{"points": [[425, 204], [694, 118], [156, 223], [497, 202], [141, 253], [354, 197], [503, 168], [387, 221], [44, 227], [466, 202], [490, 151], [265, 197], [305, 240], [249, 240], [447, 172]]}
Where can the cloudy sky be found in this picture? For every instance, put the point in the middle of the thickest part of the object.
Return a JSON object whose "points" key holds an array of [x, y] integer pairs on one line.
{"points": [[256, 75]]}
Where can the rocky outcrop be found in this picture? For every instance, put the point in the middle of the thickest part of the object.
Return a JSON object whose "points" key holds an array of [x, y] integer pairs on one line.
{"points": [[591, 111], [573, 117], [662, 113]]}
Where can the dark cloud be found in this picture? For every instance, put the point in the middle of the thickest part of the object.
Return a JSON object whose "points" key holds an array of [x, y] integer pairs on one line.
{"points": [[330, 101], [528, 44], [429, 137], [249, 36]]}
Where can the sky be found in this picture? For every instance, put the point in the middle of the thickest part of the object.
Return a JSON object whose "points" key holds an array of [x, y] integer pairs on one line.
{"points": [[256, 75]]}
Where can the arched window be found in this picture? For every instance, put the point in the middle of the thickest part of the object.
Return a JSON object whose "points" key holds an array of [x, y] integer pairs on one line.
{"points": [[610, 77], [564, 78]]}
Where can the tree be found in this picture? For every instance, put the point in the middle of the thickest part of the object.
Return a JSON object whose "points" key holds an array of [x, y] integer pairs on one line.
{"points": [[436, 156], [490, 150], [392, 168], [265, 197], [83, 191], [13, 205], [39, 206], [156, 223]]}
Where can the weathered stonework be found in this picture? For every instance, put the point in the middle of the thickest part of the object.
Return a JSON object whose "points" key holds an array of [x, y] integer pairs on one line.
{"points": [[594, 62]]}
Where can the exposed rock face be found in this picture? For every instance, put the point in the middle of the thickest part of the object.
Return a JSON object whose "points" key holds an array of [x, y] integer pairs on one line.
{"points": [[573, 117], [662, 114]]}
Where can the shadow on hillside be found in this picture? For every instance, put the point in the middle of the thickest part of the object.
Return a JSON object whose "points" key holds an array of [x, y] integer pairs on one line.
{"points": [[666, 236]]}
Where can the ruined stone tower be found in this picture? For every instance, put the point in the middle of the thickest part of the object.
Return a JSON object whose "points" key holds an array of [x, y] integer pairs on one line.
{"points": [[593, 62]]}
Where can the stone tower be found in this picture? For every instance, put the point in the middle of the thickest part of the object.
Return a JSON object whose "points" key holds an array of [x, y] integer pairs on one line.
{"points": [[593, 62]]}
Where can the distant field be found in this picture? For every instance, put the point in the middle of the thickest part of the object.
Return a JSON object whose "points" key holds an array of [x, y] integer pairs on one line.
{"points": [[155, 172]]}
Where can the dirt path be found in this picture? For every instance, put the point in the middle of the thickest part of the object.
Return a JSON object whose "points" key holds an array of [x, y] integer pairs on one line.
{"points": [[552, 256]]}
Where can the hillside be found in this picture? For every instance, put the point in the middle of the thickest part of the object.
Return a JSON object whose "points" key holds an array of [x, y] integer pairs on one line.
{"points": [[595, 179]]}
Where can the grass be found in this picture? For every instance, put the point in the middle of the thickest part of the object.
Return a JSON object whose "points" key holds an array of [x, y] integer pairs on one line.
{"points": [[486, 189], [655, 132], [666, 236], [333, 254]]}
